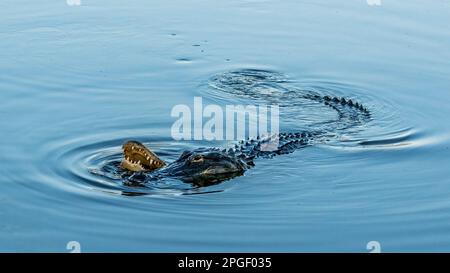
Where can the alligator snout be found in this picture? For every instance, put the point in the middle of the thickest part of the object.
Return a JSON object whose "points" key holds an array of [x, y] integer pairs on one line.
{"points": [[137, 158]]}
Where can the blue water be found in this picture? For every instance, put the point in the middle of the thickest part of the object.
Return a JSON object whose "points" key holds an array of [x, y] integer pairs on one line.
{"points": [[78, 81]]}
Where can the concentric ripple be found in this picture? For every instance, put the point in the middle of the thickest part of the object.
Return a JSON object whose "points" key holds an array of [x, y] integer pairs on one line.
{"points": [[91, 165], [387, 128], [94, 165]]}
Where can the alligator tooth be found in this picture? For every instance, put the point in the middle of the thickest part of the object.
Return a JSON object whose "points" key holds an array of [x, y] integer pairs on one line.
{"points": [[132, 147], [148, 158]]}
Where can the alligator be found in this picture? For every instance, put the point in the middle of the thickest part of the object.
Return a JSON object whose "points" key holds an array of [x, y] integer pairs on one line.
{"points": [[207, 166]]}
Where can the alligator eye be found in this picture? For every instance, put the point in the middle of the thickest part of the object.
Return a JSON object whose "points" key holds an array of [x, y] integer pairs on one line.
{"points": [[197, 158]]}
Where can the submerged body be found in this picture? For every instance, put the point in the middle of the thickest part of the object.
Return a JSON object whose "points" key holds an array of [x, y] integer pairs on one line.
{"points": [[207, 166]]}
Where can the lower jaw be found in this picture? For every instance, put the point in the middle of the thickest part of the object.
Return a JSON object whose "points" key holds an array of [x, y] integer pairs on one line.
{"points": [[129, 167]]}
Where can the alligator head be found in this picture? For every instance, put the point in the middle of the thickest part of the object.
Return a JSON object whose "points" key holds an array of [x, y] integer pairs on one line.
{"points": [[206, 166], [202, 167], [138, 158]]}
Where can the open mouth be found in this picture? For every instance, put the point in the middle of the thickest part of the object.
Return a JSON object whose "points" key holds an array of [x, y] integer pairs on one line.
{"points": [[137, 158]]}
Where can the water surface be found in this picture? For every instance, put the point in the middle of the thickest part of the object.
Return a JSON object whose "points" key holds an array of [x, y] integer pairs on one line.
{"points": [[78, 81]]}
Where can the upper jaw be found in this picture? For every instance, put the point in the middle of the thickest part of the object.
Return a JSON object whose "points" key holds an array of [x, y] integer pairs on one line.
{"points": [[137, 158]]}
